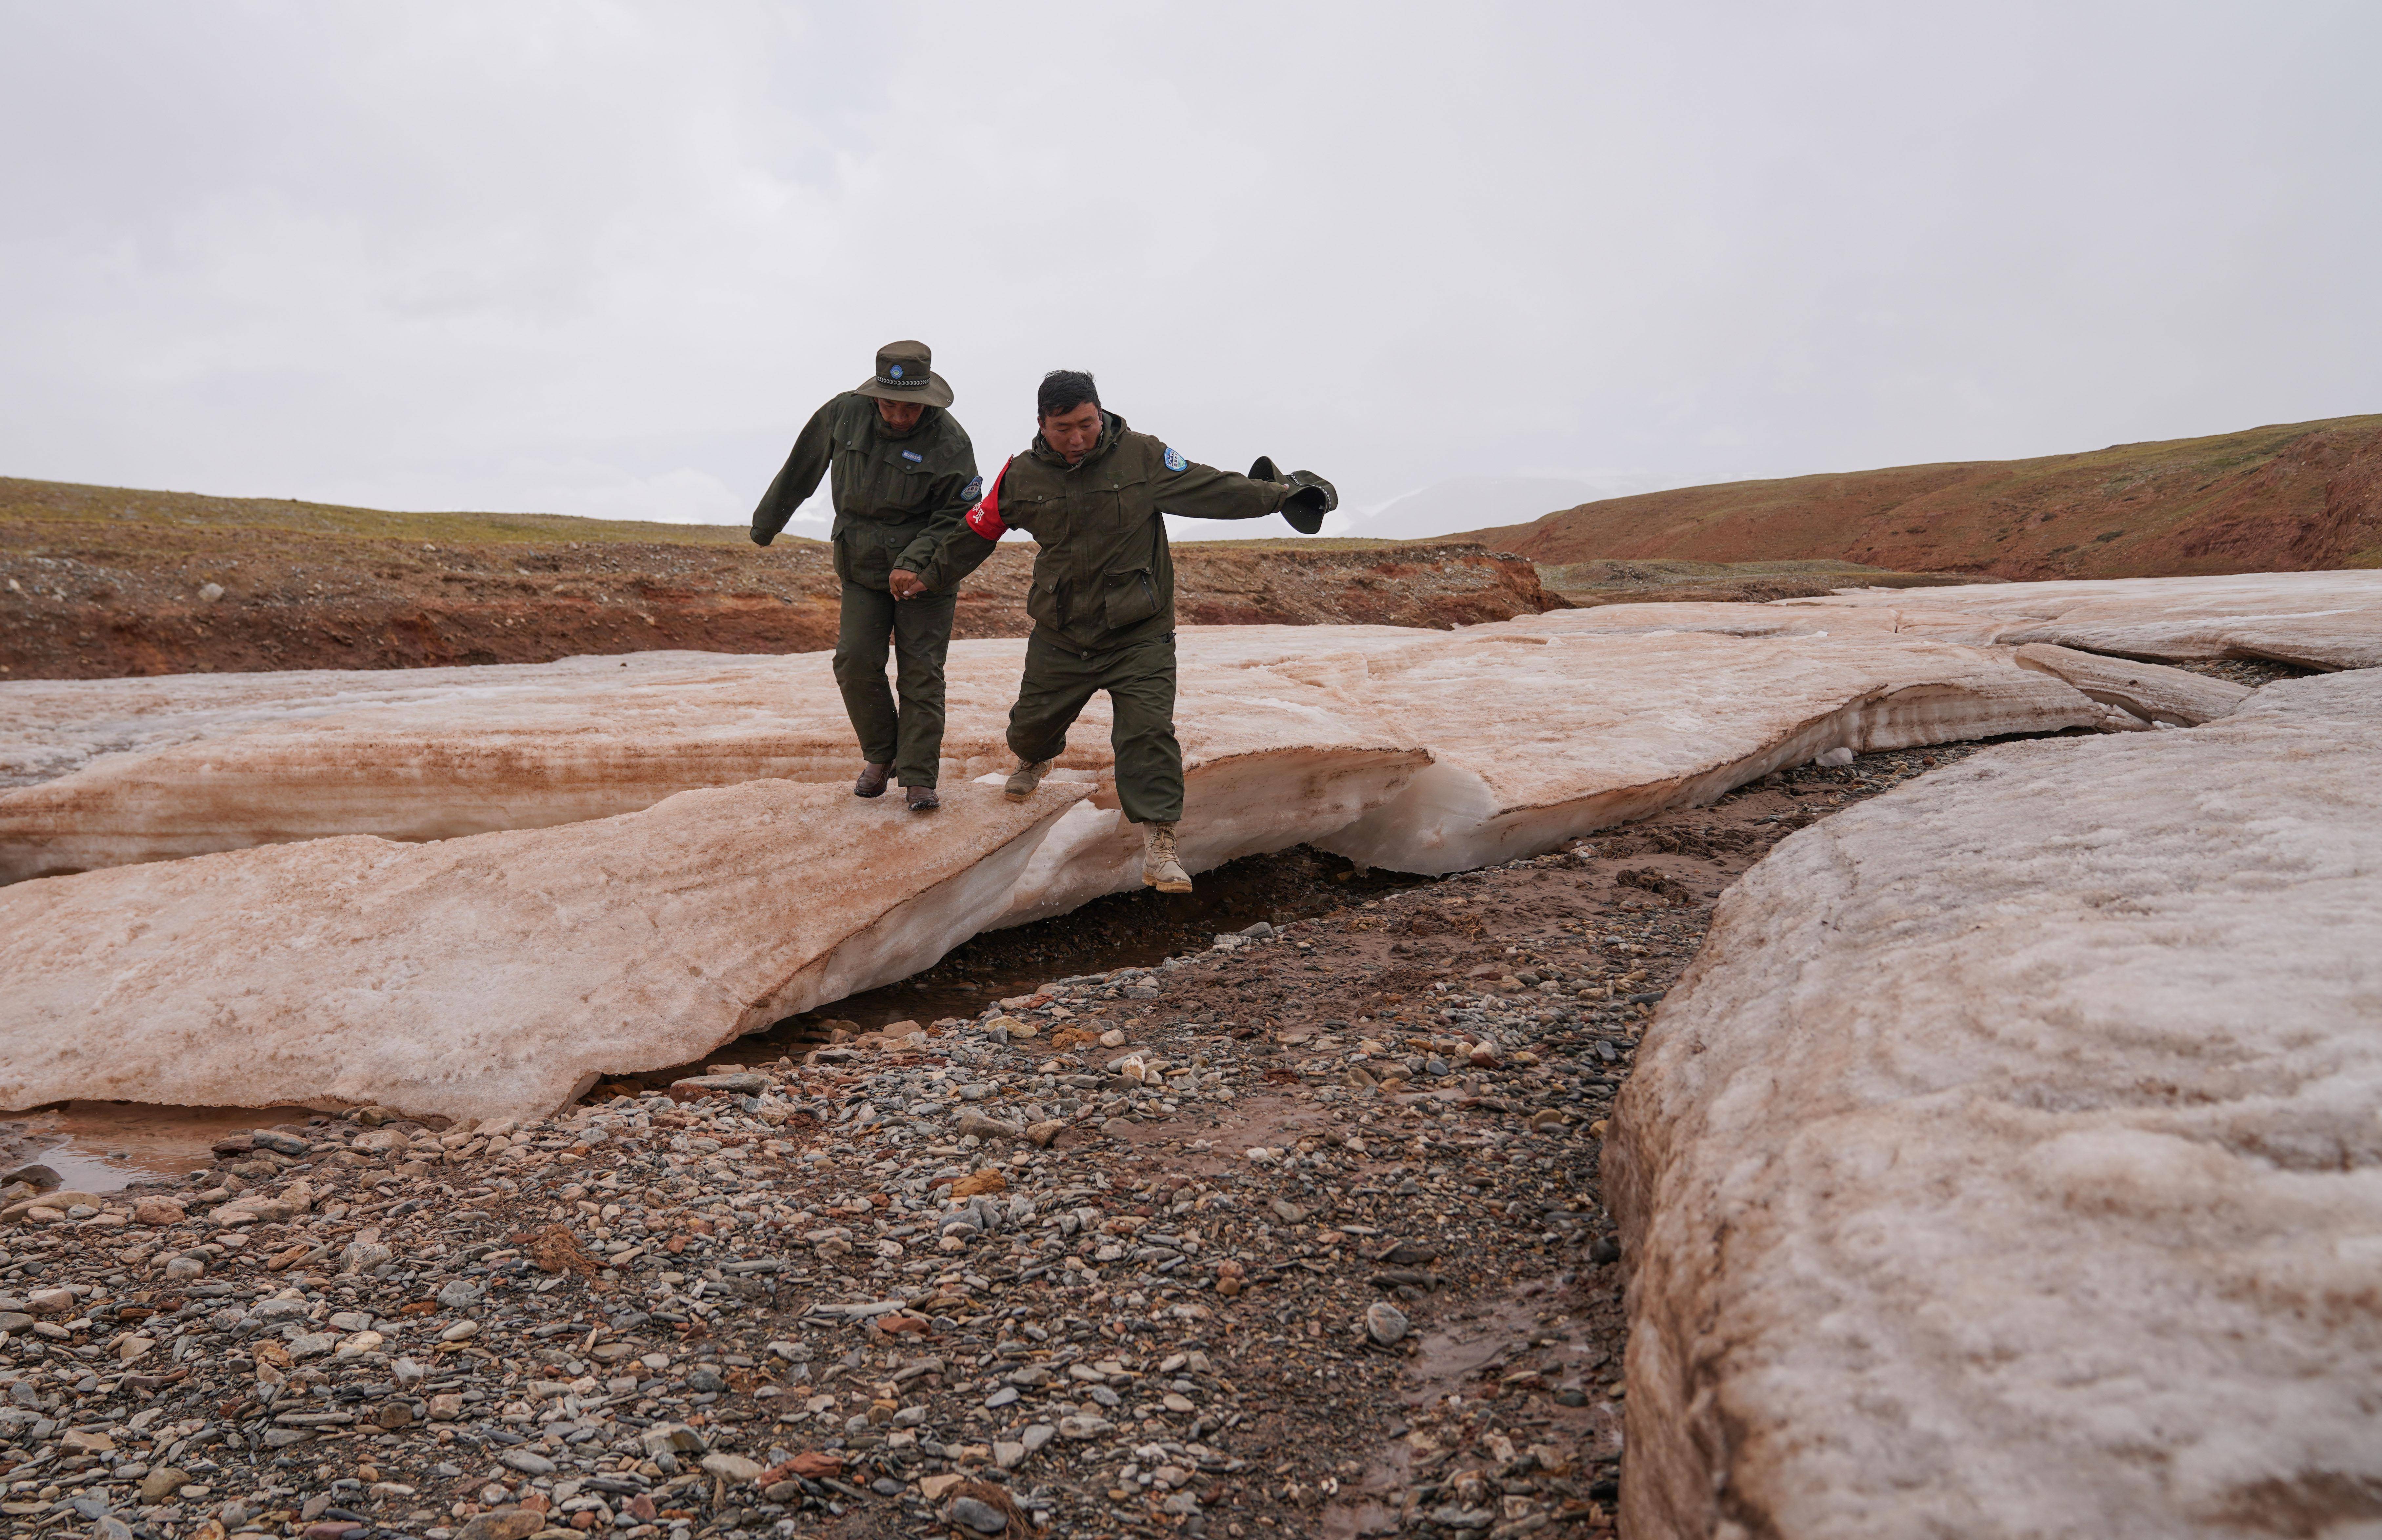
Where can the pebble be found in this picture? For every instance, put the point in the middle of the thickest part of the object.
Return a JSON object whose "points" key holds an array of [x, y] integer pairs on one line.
{"points": [[515, 1525]]}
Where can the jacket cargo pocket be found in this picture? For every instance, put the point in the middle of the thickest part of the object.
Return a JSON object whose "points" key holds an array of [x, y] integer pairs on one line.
{"points": [[866, 549], [1043, 607], [1131, 597]]}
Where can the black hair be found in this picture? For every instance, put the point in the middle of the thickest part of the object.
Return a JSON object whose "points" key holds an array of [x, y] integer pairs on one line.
{"points": [[1062, 391]]}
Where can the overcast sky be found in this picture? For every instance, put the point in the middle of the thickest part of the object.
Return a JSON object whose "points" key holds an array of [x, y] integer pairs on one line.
{"points": [[604, 259]]}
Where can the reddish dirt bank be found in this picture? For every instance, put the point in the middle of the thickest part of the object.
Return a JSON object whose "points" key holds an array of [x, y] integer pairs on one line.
{"points": [[2301, 496], [98, 583]]}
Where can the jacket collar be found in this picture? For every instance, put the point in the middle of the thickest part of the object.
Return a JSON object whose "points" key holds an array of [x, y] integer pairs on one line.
{"points": [[1111, 429]]}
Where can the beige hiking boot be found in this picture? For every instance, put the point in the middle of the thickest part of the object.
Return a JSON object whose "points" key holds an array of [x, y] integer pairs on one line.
{"points": [[1024, 780], [1161, 868]]}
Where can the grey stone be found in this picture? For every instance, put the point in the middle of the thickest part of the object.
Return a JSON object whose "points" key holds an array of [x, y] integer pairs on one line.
{"points": [[971, 1121], [460, 1294], [671, 1437], [1384, 1323], [733, 1468], [515, 1525], [981, 1517], [527, 1462], [362, 1256], [749, 1085]]}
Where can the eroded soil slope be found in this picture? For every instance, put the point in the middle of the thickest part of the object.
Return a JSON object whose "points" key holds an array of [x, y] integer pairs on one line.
{"points": [[98, 583], [2294, 497]]}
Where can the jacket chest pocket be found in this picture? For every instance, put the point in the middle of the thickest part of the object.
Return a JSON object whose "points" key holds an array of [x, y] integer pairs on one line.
{"points": [[1128, 598], [882, 485], [1112, 506]]}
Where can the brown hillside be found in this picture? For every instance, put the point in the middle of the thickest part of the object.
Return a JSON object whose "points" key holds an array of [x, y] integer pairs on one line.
{"points": [[2299, 496], [98, 583]]}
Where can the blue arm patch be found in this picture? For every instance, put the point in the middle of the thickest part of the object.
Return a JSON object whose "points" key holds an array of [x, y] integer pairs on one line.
{"points": [[1175, 460], [974, 490]]}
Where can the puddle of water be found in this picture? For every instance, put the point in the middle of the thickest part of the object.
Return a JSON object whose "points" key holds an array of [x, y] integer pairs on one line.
{"points": [[101, 1147]]}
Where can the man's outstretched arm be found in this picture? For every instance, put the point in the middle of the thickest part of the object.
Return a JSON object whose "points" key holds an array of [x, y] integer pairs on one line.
{"points": [[1190, 490], [813, 448]]}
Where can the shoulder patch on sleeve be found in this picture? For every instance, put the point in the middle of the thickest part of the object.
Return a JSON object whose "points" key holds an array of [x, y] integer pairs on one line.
{"points": [[974, 490], [1175, 460]]}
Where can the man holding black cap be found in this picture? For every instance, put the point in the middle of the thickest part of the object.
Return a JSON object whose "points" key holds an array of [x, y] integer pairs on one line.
{"points": [[1090, 491], [904, 475]]}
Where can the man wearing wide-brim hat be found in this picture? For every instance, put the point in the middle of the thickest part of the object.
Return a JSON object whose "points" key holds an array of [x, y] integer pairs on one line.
{"points": [[904, 475]]}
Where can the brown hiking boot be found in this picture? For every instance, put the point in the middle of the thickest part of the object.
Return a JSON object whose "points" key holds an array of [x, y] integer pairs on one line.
{"points": [[872, 780], [1161, 868], [922, 799], [1024, 780]]}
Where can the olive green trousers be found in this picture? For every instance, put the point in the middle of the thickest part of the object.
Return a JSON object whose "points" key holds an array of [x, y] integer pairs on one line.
{"points": [[1140, 681], [919, 632]]}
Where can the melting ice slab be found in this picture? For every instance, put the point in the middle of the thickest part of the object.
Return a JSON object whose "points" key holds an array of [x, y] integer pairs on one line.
{"points": [[119, 771], [2010, 1161], [1541, 732], [1321, 734], [2324, 620], [495, 975]]}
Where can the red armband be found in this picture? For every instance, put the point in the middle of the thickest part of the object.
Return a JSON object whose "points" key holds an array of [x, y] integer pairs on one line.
{"points": [[985, 517]]}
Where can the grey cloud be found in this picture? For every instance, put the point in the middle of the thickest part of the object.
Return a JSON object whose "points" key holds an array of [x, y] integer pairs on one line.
{"points": [[604, 259]]}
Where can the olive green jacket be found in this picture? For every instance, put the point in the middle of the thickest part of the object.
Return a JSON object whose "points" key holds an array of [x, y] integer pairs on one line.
{"points": [[896, 495], [1103, 575]]}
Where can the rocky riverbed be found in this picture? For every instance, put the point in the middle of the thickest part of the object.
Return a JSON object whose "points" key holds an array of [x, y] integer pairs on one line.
{"points": [[1299, 1233]]}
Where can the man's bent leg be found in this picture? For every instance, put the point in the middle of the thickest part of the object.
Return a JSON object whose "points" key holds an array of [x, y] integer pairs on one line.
{"points": [[860, 646], [1140, 682], [1049, 697], [922, 636]]}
